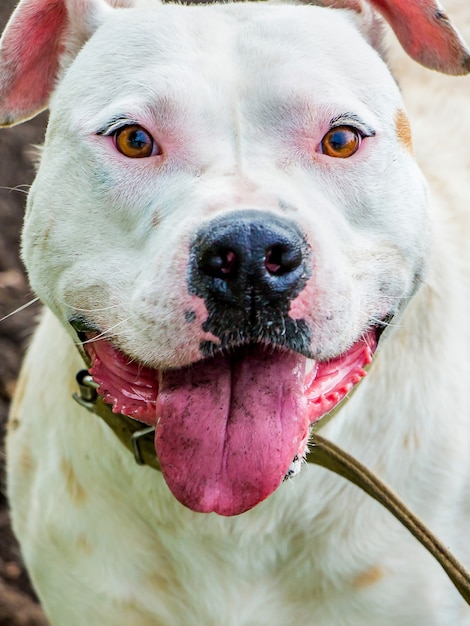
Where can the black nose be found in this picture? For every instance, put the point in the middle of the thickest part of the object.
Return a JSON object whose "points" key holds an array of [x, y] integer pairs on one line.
{"points": [[249, 258]]}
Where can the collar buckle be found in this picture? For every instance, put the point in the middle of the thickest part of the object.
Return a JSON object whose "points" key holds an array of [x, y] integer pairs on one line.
{"points": [[88, 391], [136, 441]]}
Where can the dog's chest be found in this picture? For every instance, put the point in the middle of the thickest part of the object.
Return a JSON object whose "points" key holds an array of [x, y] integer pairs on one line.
{"points": [[255, 572], [177, 573]]}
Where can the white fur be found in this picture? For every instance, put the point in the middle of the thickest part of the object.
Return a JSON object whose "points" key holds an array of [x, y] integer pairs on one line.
{"points": [[105, 541]]}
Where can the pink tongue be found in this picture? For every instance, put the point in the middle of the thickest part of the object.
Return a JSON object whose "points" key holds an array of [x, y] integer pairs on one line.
{"points": [[229, 428]]}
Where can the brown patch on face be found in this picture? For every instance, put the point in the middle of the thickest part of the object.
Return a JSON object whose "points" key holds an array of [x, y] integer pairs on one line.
{"points": [[403, 130], [75, 490], [369, 577]]}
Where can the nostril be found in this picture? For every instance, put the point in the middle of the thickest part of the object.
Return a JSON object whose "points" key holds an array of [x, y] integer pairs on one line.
{"points": [[249, 259], [281, 259], [219, 263], [228, 262]]}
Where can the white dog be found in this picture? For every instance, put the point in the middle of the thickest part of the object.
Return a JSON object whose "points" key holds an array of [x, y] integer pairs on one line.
{"points": [[228, 212]]}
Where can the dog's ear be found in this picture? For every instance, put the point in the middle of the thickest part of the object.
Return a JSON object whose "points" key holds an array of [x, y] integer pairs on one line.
{"points": [[427, 34], [422, 27], [40, 38]]}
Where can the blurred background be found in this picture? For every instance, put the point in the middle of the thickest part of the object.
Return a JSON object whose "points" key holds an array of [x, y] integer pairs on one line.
{"points": [[18, 606]]}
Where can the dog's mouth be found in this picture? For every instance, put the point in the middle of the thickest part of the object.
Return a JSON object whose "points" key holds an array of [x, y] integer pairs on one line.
{"points": [[228, 427]]}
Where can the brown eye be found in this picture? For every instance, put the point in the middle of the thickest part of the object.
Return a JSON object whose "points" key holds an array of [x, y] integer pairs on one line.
{"points": [[135, 142], [341, 142]]}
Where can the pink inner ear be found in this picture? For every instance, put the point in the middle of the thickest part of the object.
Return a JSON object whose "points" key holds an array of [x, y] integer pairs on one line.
{"points": [[29, 58], [426, 34]]}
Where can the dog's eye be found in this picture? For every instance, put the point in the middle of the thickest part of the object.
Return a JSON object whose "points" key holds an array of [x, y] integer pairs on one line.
{"points": [[135, 142], [341, 142]]}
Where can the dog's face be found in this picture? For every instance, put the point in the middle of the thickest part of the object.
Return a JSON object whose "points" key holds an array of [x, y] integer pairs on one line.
{"points": [[228, 211], [269, 140], [245, 201]]}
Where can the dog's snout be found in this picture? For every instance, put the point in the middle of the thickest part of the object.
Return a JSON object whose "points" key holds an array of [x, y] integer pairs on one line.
{"points": [[250, 254]]}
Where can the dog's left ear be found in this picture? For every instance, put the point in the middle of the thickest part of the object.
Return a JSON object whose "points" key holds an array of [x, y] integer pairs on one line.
{"points": [[427, 34], [422, 27], [41, 37]]}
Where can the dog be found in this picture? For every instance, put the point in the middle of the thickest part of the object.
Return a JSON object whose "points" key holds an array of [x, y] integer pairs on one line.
{"points": [[229, 226]]}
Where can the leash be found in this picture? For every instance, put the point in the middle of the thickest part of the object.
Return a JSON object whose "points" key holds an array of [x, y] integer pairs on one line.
{"points": [[328, 455], [140, 442]]}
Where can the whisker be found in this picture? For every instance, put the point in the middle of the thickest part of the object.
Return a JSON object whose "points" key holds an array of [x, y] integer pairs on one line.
{"points": [[106, 332], [19, 309], [94, 310], [384, 323], [17, 188]]}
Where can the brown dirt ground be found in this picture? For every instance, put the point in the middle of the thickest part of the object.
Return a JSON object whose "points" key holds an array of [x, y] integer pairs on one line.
{"points": [[18, 605]]}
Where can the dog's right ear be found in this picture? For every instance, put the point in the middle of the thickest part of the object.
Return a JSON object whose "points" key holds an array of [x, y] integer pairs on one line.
{"points": [[41, 37]]}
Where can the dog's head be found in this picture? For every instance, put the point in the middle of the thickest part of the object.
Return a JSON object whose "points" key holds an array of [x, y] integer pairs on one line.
{"points": [[227, 209]]}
